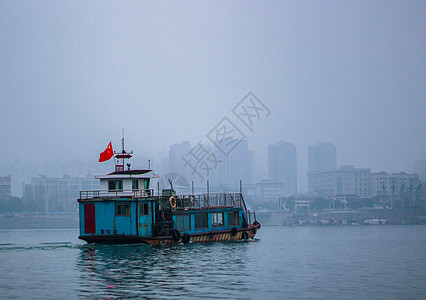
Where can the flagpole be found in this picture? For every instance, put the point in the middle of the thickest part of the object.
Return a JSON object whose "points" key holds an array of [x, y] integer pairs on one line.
{"points": [[115, 163]]}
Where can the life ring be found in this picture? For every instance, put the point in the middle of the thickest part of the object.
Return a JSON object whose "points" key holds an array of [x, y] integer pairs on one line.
{"points": [[176, 235], [244, 235], [234, 231], [172, 202]]}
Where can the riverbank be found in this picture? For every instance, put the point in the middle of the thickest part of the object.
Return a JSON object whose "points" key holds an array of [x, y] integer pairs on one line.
{"points": [[272, 218], [403, 216]]}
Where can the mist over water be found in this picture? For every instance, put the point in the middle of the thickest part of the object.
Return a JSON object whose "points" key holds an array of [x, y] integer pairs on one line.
{"points": [[72, 76], [383, 262]]}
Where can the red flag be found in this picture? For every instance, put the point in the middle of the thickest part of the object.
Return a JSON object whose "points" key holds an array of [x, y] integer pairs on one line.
{"points": [[107, 154]]}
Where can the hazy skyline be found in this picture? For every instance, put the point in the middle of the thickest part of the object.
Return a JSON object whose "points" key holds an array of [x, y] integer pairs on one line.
{"points": [[73, 74]]}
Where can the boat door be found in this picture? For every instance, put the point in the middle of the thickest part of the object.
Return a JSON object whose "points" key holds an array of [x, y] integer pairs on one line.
{"points": [[89, 218], [145, 218]]}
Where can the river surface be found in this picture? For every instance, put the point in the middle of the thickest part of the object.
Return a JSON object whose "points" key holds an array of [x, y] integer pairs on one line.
{"points": [[360, 262]]}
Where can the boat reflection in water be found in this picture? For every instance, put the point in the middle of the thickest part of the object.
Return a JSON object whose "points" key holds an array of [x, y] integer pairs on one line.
{"points": [[138, 271]]}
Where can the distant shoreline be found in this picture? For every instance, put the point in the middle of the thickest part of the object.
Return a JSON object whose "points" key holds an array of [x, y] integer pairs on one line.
{"points": [[39, 221], [401, 216]]}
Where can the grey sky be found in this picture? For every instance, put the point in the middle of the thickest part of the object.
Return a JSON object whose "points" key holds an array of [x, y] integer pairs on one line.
{"points": [[73, 74]]}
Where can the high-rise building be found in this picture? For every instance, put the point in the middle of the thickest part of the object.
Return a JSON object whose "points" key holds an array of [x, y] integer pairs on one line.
{"points": [[238, 165], [5, 187], [162, 168], [176, 163], [282, 166], [322, 156]]}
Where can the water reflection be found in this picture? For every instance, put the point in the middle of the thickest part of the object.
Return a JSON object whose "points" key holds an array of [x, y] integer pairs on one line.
{"points": [[138, 271]]}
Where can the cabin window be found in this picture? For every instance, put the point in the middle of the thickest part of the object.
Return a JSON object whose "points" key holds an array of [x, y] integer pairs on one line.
{"points": [[233, 218], [143, 209], [122, 210], [201, 221], [135, 184], [217, 220], [114, 185], [146, 183], [183, 223]]}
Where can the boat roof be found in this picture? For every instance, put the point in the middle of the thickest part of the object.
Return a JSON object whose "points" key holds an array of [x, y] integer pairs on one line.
{"points": [[129, 174]]}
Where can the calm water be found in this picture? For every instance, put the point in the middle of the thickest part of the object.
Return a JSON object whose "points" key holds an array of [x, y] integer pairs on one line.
{"points": [[364, 262]]}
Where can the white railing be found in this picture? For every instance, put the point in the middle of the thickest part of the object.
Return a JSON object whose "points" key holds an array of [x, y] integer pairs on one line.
{"points": [[85, 195]]}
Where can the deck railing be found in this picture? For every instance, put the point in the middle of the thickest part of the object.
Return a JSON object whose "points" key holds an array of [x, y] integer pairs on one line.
{"points": [[85, 195], [185, 202], [215, 200]]}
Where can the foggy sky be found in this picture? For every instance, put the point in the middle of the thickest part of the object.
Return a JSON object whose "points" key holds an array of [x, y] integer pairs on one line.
{"points": [[73, 74]]}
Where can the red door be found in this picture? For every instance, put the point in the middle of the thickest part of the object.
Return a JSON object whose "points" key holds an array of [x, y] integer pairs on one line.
{"points": [[89, 218]]}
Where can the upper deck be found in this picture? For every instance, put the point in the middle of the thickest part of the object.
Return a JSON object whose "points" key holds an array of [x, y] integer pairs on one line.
{"points": [[105, 195]]}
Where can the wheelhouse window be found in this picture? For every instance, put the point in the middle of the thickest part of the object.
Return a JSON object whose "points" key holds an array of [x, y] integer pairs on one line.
{"points": [[146, 183], [122, 210], [135, 184], [217, 220], [201, 221], [115, 185], [183, 223], [233, 218], [143, 209]]}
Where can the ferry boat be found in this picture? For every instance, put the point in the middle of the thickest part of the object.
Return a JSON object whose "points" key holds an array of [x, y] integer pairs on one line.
{"points": [[126, 210]]}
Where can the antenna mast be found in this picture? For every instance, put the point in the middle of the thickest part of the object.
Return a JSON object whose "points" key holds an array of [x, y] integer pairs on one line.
{"points": [[123, 155], [122, 142]]}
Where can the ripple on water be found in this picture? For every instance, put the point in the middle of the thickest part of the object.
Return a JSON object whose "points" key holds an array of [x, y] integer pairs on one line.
{"points": [[283, 262]]}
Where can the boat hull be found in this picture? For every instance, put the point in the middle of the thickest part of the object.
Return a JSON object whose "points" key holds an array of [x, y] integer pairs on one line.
{"points": [[203, 237]]}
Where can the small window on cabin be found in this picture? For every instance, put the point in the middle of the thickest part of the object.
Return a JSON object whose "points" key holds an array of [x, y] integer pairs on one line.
{"points": [[146, 183], [135, 184], [201, 221], [143, 209], [122, 210], [111, 185], [183, 223], [119, 184], [236, 218], [114, 185], [233, 218], [217, 220]]}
